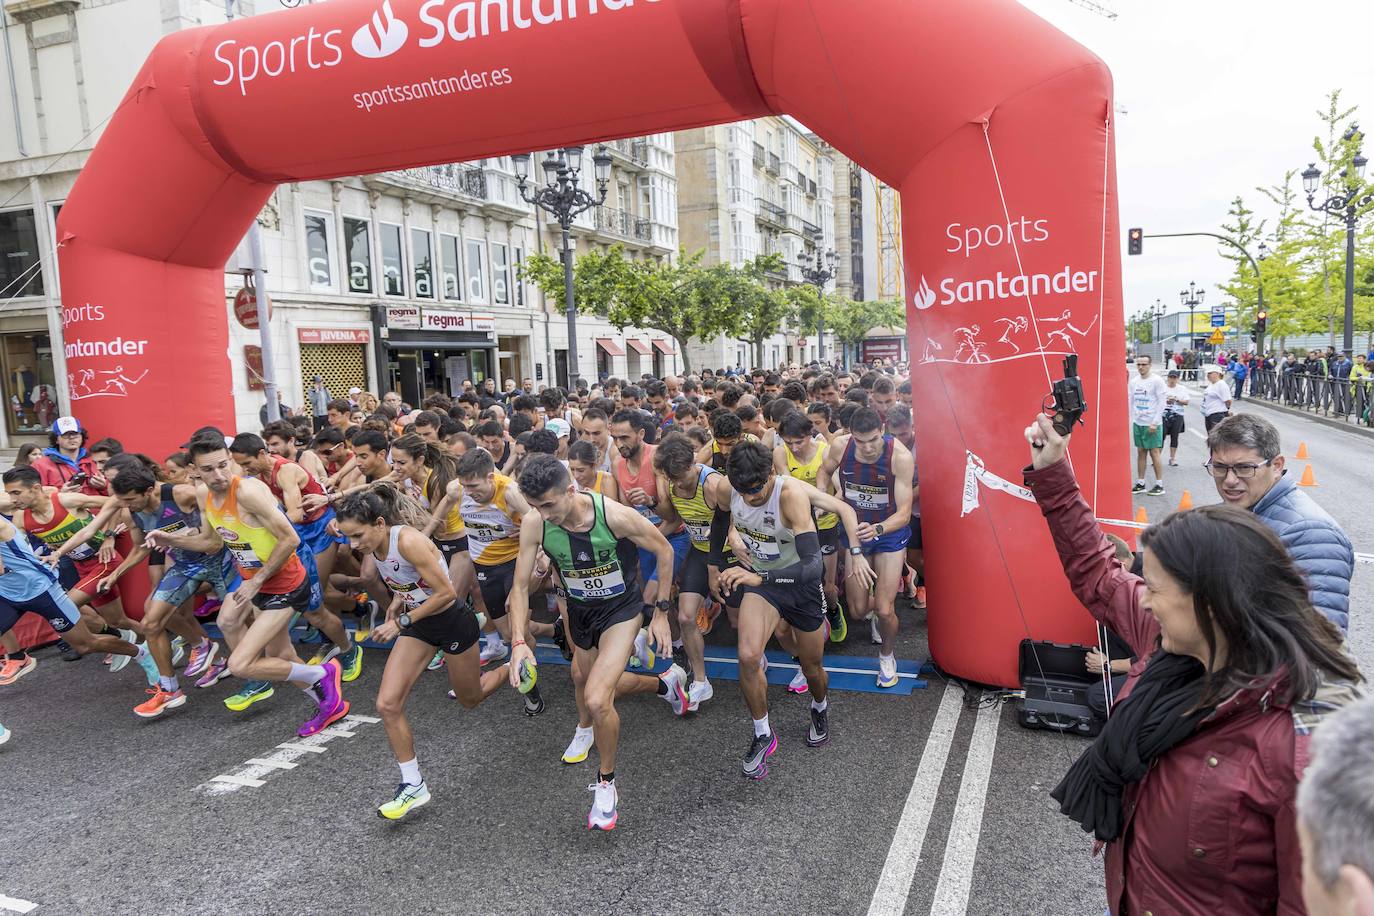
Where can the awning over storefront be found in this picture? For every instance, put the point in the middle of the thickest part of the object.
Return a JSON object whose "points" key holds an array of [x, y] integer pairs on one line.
{"points": [[610, 346], [639, 346], [665, 347]]}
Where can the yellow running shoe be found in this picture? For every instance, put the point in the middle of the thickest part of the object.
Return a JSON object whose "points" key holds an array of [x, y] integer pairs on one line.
{"points": [[407, 798], [352, 663], [252, 692]]}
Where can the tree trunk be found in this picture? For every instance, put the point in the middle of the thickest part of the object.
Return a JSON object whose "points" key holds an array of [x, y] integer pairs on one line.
{"points": [[686, 359]]}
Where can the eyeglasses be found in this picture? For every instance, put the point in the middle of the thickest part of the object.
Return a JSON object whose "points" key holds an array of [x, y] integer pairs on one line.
{"points": [[1242, 471]]}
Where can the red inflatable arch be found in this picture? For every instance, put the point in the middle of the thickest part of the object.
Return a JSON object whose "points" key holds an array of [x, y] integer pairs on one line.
{"points": [[995, 127]]}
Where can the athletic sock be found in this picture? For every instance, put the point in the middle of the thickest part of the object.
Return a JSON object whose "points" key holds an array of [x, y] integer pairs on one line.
{"points": [[583, 732], [677, 644], [761, 726], [1140, 482], [309, 674], [168, 684], [410, 772], [819, 706], [892, 658], [605, 777], [142, 652]]}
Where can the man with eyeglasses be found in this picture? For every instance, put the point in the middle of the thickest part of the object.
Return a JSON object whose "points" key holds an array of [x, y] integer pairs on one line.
{"points": [[1249, 473]]}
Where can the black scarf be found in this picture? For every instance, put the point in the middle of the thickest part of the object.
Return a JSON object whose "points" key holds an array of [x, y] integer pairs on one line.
{"points": [[1143, 726]]}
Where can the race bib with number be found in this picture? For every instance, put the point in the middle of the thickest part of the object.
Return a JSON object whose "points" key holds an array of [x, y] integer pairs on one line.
{"points": [[412, 594], [862, 497], [595, 584], [244, 557], [762, 547], [699, 532]]}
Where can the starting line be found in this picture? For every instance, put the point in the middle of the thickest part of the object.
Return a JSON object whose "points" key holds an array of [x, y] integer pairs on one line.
{"points": [[854, 673]]}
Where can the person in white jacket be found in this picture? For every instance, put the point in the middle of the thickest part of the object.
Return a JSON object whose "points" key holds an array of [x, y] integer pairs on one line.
{"points": [[1148, 395], [1176, 398]]}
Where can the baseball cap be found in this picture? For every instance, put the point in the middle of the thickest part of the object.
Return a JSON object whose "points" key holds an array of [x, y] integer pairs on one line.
{"points": [[66, 425], [559, 427], [1217, 369], [1173, 373], [355, 391]]}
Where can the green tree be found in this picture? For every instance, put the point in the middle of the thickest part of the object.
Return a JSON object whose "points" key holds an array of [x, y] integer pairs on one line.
{"points": [[851, 321], [762, 312], [1287, 292], [598, 278]]}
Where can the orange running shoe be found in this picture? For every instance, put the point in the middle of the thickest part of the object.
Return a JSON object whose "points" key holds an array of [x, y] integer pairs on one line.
{"points": [[13, 669], [159, 702], [706, 617], [920, 596]]}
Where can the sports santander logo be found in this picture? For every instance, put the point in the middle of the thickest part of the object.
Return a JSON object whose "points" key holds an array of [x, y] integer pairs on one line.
{"points": [[383, 36], [924, 297]]}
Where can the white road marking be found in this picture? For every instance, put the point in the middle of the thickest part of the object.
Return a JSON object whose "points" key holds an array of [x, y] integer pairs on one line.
{"points": [[300, 746], [335, 731], [361, 720], [274, 764], [1202, 436], [956, 872], [894, 884], [15, 905], [233, 780]]}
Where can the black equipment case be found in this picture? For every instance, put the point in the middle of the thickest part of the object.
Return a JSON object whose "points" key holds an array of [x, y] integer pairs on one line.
{"points": [[1056, 688]]}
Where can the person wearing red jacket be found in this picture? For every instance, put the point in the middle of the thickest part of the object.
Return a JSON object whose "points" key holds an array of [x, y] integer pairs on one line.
{"points": [[66, 457], [1192, 783]]}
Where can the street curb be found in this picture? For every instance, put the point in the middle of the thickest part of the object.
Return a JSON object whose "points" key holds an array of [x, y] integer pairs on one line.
{"points": [[1353, 428]]}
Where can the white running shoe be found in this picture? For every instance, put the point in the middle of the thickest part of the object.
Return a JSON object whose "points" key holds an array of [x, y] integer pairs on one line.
{"points": [[643, 656], [579, 746], [887, 671], [603, 814], [676, 679], [763, 663], [493, 654], [698, 693], [876, 634], [119, 662], [178, 651], [798, 683]]}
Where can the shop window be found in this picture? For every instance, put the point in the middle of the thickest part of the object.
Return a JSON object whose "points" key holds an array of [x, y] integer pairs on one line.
{"points": [[519, 257], [358, 244], [451, 266], [20, 273], [30, 390], [319, 228], [477, 290], [500, 274], [422, 253], [393, 260]]}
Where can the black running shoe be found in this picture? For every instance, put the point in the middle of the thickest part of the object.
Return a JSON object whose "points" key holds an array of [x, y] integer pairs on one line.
{"points": [[534, 702], [756, 761], [680, 659], [820, 728], [68, 653], [560, 639]]}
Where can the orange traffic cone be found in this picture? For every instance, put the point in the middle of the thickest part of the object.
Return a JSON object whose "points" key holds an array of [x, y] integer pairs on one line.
{"points": [[1302, 450], [1186, 502], [1141, 517], [1307, 479]]}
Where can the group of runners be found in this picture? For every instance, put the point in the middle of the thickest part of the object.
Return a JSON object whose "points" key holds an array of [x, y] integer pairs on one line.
{"points": [[621, 527]]}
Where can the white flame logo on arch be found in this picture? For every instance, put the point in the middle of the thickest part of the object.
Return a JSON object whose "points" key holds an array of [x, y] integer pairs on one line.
{"points": [[975, 473], [384, 36], [924, 297]]}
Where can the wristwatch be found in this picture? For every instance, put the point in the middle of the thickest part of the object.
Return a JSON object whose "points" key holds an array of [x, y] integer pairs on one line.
{"points": [[404, 621], [879, 528], [664, 605], [855, 551]]}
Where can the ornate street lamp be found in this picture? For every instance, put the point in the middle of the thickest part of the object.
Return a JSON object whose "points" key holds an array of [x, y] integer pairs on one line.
{"points": [[1345, 204], [819, 275]]}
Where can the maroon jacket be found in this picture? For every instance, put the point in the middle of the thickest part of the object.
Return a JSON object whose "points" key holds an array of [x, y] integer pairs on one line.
{"points": [[1211, 828]]}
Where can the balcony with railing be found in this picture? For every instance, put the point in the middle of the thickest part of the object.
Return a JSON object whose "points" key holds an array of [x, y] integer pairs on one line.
{"points": [[811, 188], [635, 152], [774, 166], [760, 156], [771, 213], [451, 180], [624, 225]]}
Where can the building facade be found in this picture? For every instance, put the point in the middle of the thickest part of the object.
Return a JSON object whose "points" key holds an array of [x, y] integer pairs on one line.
{"points": [[402, 280]]}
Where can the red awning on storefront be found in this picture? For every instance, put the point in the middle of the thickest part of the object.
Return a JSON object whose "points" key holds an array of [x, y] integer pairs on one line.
{"points": [[610, 346], [665, 346], [639, 346]]}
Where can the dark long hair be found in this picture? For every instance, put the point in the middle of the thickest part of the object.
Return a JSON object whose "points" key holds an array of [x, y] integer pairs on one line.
{"points": [[1246, 587], [384, 500], [441, 462]]}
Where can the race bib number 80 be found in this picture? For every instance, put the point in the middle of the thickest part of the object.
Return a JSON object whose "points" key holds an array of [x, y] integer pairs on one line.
{"points": [[595, 584]]}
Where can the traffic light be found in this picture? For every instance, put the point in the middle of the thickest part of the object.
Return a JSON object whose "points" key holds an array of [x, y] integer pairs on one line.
{"points": [[1261, 319], [1135, 241]]}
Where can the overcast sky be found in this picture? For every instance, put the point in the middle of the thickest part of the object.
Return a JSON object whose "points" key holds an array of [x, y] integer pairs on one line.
{"points": [[1220, 96]]}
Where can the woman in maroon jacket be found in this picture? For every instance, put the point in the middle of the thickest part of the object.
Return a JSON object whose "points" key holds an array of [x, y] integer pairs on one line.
{"points": [[1191, 784]]}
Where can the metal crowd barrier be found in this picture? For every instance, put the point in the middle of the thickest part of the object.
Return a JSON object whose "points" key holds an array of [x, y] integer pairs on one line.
{"points": [[1350, 400]]}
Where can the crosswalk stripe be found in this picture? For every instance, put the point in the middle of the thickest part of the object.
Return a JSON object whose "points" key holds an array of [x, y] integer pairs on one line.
{"points": [[956, 871]]}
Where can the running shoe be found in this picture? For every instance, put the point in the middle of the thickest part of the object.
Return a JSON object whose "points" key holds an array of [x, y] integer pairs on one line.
{"points": [[529, 676], [252, 692], [643, 656], [323, 654], [120, 662], [202, 657], [107, 659], [534, 701], [875, 634], [706, 617], [920, 602], [489, 654], [149, 666], [798, 683], [217, 672], [4, 734], [1156, 490], [763, 663], [208, 609], [159, 702], [579, 746], [333, 706], [407, 798], [352, 663], [887, 671], [756, 760], [698, 693], [178, 650], [68, 653], [1138, 488], [436, 662], [560, 639], [680, 659], [1173, 462], [603, 814], [819, 733], [13, 669], [676, 679], [839, 625]]}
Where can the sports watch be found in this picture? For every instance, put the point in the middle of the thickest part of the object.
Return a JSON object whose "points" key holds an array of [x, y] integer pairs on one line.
{"points": [[879, 528], [855, 551], [664, 605], [404, 620]]}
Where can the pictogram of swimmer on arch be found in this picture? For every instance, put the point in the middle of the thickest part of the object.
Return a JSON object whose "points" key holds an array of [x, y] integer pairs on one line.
{"points": [[1059, 337], [102, 383]]}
